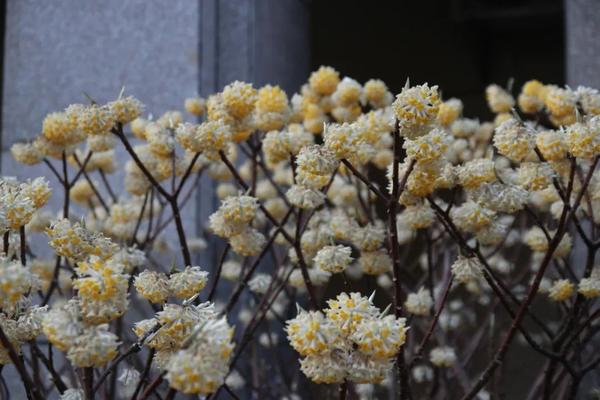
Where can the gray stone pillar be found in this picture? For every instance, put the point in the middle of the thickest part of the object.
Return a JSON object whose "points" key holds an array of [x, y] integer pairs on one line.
{"points": [[582, 20], [583, 42]]}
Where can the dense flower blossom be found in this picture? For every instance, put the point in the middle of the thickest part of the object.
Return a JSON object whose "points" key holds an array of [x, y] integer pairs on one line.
{"points": [[419, 303], [76, 242], [444, 357], [416, 108], [302, 210], [351, 340], [514, 140], [201, 367], [333, 259], [467, 269]]}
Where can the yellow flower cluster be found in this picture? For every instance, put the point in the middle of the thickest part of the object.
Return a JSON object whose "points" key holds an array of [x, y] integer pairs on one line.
{"points": [[351, 340]]}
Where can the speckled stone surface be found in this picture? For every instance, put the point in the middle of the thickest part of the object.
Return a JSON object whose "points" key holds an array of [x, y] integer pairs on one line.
{"points": [[56, 50], [583, 42]]}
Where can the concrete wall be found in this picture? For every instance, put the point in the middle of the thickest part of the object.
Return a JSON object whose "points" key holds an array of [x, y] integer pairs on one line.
{"points": [[583, 42]]}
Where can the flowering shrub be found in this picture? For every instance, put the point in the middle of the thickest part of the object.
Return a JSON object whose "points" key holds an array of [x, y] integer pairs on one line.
{"points": [[419, 246]]}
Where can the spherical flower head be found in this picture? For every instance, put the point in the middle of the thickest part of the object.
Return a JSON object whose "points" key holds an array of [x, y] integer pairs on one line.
{"points": [[376, 94], [101, 289], [535, 176], [153, 286], [239, 99], [341, 139], [380, 337], [138, 127], [38, 190], [474, 173], [590, 287], [464, 128], [467, 269], [82, 192], [376, 262], [552, 145], [100, 143], [249, 242], [170, 119], [95, 347], [26, 153], [472, 217], [417, 216], [272, 108], [421, 181], [514, 140], [188, 282], [17, 207], [449, 111], [325, 368], [73, 241], [310, 333], [129, 258], [208, 138], [324, 81], [349, 310], [530, 98], [529, 104], [536, 239], [176, 325], [279, 145], [16, 282], [560, 102], [305, 197], [369, 237], [316, 160], [314, 118], [538, 242], [125, 109], [195, 106], [260, 283], [59, 129], [39, 222], [429, 147], [589, 99], [347, 93], [239, 210], [192, 373], [494, 234], [95, 120], [583, 140], [62, 326], [419, 303], [201, 367], [443, 357], [561, 290], [500, 197], [533, 88], [499, 100], [416, 108], [160, 141], [333, 259]]}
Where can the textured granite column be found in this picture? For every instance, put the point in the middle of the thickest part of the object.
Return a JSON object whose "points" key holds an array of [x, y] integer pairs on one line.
{"points": [[259, 41], [583, 68], [583, 42]]}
